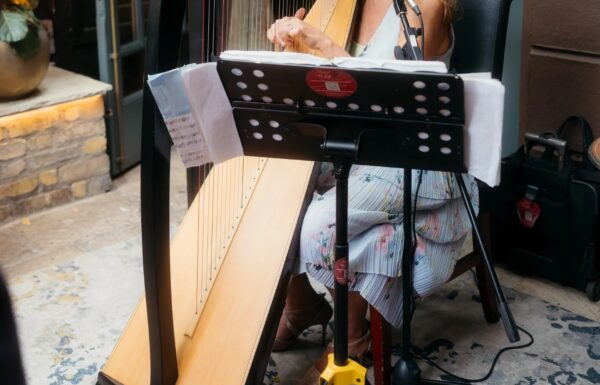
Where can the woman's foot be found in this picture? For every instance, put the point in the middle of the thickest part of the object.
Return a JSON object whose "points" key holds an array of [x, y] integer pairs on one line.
{"points": [[295, 321]]}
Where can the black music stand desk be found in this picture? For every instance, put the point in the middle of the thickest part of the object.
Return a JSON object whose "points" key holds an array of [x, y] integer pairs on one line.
{"points": [[358, 116]]}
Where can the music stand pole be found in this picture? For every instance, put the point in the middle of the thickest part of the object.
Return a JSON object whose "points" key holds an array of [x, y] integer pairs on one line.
{"points": [[340, 350]]}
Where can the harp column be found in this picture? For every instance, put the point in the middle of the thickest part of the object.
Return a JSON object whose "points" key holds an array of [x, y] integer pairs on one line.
{"points": [[162, 51]]}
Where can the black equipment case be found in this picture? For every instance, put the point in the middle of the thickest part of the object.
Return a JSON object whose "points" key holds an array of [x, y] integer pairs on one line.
{"points": [[546, 216]]}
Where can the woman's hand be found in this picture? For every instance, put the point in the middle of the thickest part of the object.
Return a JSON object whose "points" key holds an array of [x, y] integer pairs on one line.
{"points": [[287, 30]]}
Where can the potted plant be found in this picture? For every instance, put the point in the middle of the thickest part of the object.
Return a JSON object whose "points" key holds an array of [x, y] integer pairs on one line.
{"points": [[24, 48]]}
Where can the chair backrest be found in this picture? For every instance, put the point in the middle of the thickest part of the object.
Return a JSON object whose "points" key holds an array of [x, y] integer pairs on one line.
{"points": [[481, 37]]}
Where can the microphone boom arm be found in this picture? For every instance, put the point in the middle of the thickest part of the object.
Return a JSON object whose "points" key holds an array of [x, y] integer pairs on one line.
{"points": [[411, 50]]}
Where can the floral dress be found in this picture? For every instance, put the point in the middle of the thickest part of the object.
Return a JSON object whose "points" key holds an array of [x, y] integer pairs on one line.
{"points": [[375, 217]]}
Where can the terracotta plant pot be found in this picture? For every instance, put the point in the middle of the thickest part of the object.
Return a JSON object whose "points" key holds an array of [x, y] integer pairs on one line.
{"points": [[18, 77]]}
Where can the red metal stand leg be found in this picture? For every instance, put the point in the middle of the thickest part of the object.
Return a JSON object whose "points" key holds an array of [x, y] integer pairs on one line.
{"points": [[381, 337]]}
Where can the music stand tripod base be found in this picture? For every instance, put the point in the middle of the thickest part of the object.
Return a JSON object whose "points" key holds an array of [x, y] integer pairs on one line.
{"points": [[351, 373]]}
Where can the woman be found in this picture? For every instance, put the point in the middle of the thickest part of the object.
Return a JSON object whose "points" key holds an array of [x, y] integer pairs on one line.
{"points": [[375, 197]]}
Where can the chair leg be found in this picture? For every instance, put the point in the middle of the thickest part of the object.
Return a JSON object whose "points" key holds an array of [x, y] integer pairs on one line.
{"points": [[381, 337], [486, 291], [488, 299]]}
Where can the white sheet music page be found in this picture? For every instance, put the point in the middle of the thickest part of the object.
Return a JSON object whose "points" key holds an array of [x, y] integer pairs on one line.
{"points": [[484, 115], [396, 65], [274, 57], [171, 99], [212, 110], [342, 62]]}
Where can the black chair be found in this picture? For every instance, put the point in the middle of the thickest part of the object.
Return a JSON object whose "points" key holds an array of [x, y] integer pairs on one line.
{"points": [[480, 39]]}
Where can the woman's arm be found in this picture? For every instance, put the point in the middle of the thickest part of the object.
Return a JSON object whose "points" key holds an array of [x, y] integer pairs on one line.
{"points": [[285, 31]]}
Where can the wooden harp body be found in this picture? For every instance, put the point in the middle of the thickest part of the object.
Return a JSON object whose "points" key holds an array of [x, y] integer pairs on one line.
{"points": [[214, 293]]}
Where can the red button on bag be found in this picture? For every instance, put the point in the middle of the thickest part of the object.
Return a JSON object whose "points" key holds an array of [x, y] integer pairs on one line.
{"points": [[528, 211]]}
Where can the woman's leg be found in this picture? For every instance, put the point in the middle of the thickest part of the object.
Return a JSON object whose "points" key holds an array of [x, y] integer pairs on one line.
{"points": [[304, 307], [300, 293], [357, 311]]}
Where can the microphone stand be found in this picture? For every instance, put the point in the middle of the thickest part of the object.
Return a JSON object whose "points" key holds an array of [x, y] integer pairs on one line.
{"points": [[406, 371], [411, 49]]}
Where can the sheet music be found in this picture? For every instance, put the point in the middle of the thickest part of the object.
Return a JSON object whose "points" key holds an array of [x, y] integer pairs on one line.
{"points": [[169, 92], [484, 115], [396, 65], [342, 62], [274, 57], [197, 114], [211, 109]]}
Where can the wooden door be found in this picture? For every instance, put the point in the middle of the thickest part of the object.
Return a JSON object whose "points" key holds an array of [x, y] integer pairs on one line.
{"points": [[561, 64]]}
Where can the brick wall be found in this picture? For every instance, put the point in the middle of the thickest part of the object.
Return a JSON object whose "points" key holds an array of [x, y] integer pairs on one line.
{"points": [[52, 155]]}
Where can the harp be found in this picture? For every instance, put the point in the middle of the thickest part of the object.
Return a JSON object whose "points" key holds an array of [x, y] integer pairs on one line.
{"points": [[215, 292]]}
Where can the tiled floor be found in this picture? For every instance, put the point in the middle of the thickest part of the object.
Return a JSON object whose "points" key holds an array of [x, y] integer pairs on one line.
{"points": [[45, 243], [58, 234]]}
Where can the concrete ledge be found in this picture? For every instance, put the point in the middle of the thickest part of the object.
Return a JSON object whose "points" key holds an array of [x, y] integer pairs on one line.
{"points": [[53, 145], [59, 86]]}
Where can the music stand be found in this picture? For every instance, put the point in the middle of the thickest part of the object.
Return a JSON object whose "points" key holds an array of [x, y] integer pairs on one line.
{"points": [[357, 116]]}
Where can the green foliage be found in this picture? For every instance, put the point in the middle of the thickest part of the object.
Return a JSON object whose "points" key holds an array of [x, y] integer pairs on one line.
{"points": [[28, 47], [19, 26], [13, 25], [30, 16]]}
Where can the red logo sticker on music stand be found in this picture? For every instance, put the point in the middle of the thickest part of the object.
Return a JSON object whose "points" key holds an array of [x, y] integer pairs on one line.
{"points": [[340, 271], [332, 83]]}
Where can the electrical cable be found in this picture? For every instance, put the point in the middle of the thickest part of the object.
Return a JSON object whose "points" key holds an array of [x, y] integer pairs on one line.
{"points": [[417, 352], [422, 35], [414, 232], [414, 210]]}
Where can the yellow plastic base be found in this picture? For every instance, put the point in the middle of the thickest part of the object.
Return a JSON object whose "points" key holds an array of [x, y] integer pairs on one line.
{"points": [[351, 374]]}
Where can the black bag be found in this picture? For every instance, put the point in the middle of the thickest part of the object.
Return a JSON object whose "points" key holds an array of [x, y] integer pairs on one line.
{"points": [[546, 218]]}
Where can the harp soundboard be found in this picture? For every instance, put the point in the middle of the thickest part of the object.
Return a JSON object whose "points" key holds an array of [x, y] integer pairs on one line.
{"points": [[215, 292]]}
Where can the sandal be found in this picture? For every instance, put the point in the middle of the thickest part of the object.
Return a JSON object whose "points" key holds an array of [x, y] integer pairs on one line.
{"points": [[357, 350], [322, 314]]}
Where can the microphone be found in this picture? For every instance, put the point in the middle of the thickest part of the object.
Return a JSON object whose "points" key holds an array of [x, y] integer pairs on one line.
{"points": [[401, 7], [414, 7]]}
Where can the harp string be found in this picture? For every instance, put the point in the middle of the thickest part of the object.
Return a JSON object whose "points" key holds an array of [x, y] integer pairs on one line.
{"points": [[235, 24], [226, 187]]}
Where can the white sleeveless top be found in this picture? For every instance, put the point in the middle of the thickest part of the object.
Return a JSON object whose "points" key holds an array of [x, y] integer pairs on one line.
{"points": [[386, 36]]}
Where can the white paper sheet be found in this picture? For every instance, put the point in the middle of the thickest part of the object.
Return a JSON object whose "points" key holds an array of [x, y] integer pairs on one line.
{"points": [[484, 110], [169, 92], [342, 62], [211, 109]]}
